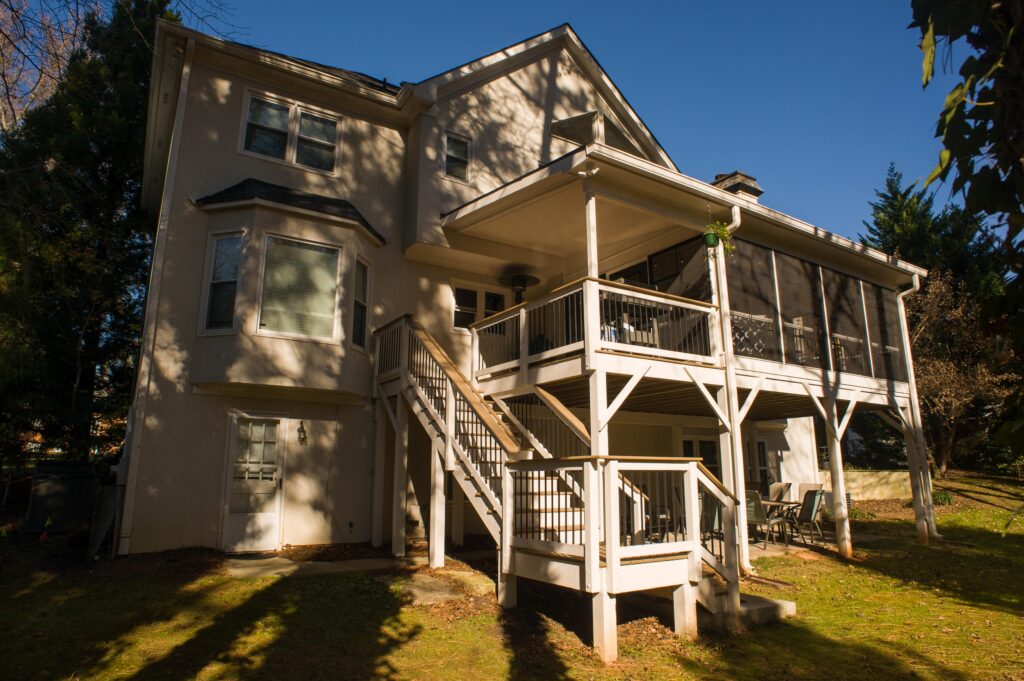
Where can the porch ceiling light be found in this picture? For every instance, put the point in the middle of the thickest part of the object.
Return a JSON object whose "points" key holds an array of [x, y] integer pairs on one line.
{"points": [[518, 283]]}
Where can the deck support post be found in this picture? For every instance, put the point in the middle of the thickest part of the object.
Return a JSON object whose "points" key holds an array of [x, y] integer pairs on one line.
{"points": [[840, 512], [435, 546], [918, 459], [379, 456], [400, 488], [458, 512], [606, 639], [506, 585], [684, 610], [731, 443]]}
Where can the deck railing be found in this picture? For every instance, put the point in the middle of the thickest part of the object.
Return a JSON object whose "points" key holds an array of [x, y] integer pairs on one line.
{"points": [[594, 315], [616, 511]]}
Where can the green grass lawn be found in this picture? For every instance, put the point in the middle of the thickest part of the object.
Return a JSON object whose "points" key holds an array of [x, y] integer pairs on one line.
{"points": [[952, 610]]}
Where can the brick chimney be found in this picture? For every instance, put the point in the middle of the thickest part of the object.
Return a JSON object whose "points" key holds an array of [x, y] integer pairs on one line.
{"points": [[740, 184]]}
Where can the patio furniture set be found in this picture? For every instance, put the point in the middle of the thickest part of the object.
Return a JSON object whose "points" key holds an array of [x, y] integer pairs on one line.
{"points": [[776, 514]]}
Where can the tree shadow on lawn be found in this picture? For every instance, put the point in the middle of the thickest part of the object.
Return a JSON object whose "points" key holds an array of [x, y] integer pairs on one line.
{"points": [[795, 652], [106, 620]]}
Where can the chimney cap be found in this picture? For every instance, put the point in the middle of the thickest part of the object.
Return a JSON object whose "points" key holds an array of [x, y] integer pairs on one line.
{"points": [[738, 182]]}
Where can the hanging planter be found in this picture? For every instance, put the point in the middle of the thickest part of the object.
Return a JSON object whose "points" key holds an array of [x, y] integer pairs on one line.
{"points": [[717, 233]]}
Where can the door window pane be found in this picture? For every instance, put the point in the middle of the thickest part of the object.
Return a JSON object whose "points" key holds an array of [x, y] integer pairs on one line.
{"points": [[255, 472], [300, 284], [708, 451], [493, 303], [465, 307]]}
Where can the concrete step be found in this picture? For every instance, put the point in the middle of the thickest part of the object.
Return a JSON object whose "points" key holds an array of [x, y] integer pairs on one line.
{"points": [[755, 611]]}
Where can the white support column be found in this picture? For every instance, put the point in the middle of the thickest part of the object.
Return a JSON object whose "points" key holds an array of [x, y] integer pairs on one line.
{"points": [[590, 212], [458, 510], [379, 458], [506, 583], [916, 487], [606, 640], [840, 512], [919, 460], [400, 487], [684, 610], [734, 440], [437, 506]]}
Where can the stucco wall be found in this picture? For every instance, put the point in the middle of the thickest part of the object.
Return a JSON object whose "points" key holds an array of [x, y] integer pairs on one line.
{"points": [[865, 485]]}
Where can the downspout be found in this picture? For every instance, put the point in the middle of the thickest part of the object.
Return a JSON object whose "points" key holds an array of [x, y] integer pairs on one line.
{"points": [[921, 458], [732, 399]]}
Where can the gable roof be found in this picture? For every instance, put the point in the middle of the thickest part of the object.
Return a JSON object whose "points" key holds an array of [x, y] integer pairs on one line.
{"points": [[439, 85], [252, 189]]}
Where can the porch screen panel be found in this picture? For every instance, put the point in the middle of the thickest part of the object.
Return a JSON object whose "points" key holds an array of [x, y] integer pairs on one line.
{"points": [[846, 323], [802, 325], [682, 270], [752, 301], [884, 326]]}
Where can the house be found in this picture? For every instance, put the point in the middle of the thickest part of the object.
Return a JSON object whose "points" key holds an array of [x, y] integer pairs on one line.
{"points": [[483, 303]]}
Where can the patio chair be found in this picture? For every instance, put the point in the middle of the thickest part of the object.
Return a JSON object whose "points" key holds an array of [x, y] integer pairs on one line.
{"points": [[757, 517], [807, 514], [778, 491]]}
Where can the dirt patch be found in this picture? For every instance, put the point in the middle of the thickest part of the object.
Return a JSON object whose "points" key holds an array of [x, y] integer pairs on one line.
{"points": [[333, 552]]}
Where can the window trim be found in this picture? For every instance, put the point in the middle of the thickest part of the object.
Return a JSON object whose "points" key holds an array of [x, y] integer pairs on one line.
{"points": [[368, 332], [295, 108], [204, 294], [336, 336], [480, 289], [469, 157]]}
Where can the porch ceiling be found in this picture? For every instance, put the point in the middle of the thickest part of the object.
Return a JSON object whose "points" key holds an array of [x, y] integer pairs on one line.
{"points": [[554, 223]]}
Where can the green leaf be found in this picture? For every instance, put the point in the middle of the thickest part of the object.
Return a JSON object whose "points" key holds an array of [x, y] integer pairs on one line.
{"points": [[941, 169], [928, 47]]}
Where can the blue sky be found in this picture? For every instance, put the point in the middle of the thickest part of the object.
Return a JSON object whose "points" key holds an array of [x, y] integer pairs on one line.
{"points": [[812, 98]]}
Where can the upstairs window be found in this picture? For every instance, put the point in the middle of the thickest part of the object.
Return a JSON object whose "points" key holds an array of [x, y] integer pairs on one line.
{"points": [[288, 132], [360, 303], [300, 288], [456, 156], [220, 301]]}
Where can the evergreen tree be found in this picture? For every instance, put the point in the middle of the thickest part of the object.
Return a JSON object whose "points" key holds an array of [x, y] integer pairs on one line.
{"points": [[74, 244]]}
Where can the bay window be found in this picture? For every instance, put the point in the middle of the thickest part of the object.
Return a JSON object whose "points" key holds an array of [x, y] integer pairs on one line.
{"points": [[223, 286], [300, 289]]}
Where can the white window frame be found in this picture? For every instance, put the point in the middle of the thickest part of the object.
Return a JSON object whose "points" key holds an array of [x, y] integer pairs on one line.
{"points": [[204, 296], [469, 160], [365, 348], [338, 290], [480, 289], [295, 108]]}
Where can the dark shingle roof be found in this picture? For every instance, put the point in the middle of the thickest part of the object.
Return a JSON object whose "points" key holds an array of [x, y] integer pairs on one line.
{"points": [[251, 188], [345, 74]]}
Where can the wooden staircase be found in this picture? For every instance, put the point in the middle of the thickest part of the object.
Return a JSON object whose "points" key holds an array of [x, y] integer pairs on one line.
{"points": [[602, 525]]}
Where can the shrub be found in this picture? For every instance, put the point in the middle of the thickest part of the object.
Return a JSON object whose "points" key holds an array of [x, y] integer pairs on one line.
{"points": [[942, 498]]}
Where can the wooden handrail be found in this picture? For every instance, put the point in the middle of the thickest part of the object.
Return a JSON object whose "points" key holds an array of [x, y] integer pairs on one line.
{"points": [[614, 457], [716, 482], [508, 312], [460, 383]]}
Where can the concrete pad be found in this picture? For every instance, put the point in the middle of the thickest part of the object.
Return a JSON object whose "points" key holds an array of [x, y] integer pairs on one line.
{"points": [[426, 590], [277, 566], [260, 566]]}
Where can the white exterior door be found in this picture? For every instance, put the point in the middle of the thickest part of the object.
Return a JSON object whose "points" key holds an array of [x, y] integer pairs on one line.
{"points": [[252, 518]]}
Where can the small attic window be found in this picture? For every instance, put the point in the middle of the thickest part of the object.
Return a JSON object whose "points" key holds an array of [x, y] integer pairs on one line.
{"points": [[456, 156], [580, 129]]}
